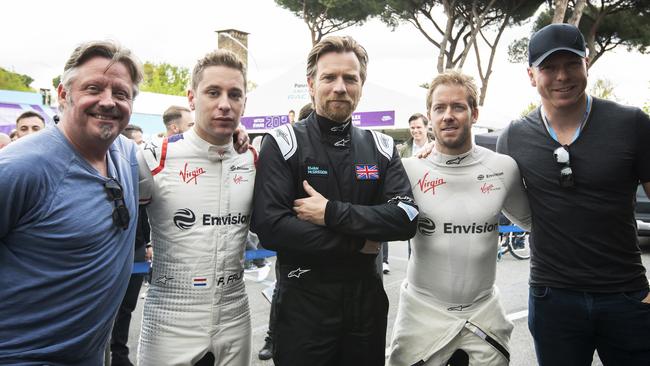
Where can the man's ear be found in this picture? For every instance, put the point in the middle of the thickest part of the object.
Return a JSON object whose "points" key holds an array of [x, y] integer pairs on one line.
{"points": [[531, 76], [310, 83], [62, 93], [190, 98]]}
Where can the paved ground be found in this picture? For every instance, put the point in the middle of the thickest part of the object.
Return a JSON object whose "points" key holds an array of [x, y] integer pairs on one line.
{"points": [[512, 279]]}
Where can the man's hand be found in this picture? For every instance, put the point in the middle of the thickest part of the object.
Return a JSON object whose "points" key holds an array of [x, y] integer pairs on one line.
{"points": [[371, 247], [647, 299], [148, 254], [240, 139], [312, 208], [426, 150]]}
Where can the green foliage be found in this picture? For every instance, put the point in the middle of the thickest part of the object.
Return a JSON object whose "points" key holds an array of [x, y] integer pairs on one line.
{"points": [[341, 10], [518, 51], [56, 81], [164, 78], [604, 89], [529, 108], [468, 26], [14, 81], [327, 16]]}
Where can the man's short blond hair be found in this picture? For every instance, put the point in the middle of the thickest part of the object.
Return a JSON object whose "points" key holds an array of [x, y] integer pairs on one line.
{"points": [[217, 58], [453, 77], [338, 44]]}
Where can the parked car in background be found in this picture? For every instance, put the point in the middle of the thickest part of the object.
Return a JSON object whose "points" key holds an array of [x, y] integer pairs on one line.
{"points": [[642, 212]]}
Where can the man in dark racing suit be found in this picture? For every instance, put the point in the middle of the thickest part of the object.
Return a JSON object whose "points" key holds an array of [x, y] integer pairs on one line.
{"points": [[326, 193]]}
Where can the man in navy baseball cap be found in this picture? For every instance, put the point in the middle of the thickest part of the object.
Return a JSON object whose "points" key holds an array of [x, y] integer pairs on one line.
{"points": [[552, 38], [588, 286]]}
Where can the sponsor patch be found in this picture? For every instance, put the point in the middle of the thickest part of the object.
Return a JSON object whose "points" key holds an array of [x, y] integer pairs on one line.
{"points": [[317, 170], [238, 179], [240, 168], [184, 218], [488, 176], [427, 184], [473, 228], [486, 188], [189, 176], [426, 226], [366, 172]]}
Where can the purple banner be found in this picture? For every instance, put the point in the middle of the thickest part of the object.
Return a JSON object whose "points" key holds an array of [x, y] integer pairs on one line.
{"points": [[264, 122], [373, 119], [7, 128], [359, 119], [10, 105]]}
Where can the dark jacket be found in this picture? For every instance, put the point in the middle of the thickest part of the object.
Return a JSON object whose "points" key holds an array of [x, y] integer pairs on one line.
{"points": [[333, 162]]}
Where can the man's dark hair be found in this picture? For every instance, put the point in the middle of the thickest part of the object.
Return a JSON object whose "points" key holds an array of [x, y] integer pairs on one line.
{"points": [[130, 129], [415, 116], [174, 113], [29, 114]]}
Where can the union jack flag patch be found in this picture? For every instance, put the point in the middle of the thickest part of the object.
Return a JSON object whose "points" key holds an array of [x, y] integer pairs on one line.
{"points": [[366, 172]]}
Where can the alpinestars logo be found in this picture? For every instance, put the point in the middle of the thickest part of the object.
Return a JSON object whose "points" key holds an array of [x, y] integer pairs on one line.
{"points": [[456, 160], [342, 143], [427, 184], [152, 148], [426, 227], [297, 272], [184, 218]]}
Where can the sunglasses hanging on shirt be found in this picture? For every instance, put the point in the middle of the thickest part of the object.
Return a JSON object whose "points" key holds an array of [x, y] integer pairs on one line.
{"points": [[563, 158], [115, 194]]}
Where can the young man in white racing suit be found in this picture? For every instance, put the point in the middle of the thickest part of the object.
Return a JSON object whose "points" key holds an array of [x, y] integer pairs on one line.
{"points": [[449, 301], [199, 192]]}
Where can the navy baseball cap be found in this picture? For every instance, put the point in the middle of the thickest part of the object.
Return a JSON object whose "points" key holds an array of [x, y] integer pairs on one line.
{"points": [[552, 38]]}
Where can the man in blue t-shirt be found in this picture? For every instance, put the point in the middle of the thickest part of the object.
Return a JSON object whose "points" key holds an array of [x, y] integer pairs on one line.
{"points": [[581, 159], [68, 213]]}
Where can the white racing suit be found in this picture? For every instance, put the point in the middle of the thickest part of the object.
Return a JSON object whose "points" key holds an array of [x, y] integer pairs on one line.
{"points": [[199, 199], [449, 300]]}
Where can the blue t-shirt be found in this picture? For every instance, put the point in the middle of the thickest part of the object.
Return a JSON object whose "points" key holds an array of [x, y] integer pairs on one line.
{"points": [[64, 264]]}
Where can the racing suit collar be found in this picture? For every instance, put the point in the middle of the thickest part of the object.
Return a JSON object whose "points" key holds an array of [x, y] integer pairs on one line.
{"points": [[467, 158], [214, 152], [334, 133]]}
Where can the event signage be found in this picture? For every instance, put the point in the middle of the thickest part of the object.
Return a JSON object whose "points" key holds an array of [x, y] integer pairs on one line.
{"points": [[359, 119]]}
